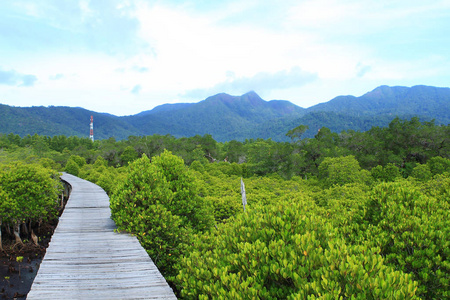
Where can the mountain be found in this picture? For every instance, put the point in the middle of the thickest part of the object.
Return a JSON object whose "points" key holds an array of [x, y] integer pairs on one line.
{"points": [[418, 100], [218, 115], [61, 120], [243, 117]]}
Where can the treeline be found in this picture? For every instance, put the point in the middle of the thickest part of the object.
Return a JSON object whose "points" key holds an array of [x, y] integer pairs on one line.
{"points": [[404, 143], [361, 215]]}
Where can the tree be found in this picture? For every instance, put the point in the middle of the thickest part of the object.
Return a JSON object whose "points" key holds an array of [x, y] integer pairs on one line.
{"points": [[8, 208], [158, 201], [390, 172], [128, 155], [296, 133], [341, 170], [439, 165], [422, 172], [31, 193], [72, 167]]}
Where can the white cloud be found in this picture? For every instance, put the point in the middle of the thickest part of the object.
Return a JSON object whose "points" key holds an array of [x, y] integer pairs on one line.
{"points": [[169, 52], [136, 89], [261, 82], [14, 78]]}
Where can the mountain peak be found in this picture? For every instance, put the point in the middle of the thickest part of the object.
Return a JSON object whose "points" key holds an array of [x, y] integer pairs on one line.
{"points": [[251, 94], [384, 91], [253, 99]]}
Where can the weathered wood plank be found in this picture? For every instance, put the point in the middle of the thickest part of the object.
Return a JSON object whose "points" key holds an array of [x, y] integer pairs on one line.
{"points": [[86, 259]]}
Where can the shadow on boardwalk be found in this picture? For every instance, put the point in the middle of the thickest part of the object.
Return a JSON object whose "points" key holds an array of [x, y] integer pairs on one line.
{"points": [[86, 259]]}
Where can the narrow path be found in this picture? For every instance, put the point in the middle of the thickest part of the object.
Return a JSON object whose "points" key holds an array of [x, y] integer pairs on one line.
{"points": [[86, 259]]}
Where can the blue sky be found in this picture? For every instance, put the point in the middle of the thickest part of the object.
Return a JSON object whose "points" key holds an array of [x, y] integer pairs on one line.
{"points": [[128, 56]]}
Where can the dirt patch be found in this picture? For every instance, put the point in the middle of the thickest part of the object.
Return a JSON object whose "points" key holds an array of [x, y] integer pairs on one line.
{"points": [[19, 264]]}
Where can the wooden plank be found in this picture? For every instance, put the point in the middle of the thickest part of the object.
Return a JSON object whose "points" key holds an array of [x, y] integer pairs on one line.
{"points": [[86, 259]]}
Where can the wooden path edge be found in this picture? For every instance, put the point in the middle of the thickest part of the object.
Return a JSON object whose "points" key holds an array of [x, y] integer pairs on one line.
{"points": [[86, 259]]}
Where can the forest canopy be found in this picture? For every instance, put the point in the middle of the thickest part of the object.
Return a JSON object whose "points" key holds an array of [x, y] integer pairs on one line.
{"points": [[350, 214]]}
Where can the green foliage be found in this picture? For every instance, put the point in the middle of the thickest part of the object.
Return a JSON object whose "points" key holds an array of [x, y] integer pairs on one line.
{"points": [[422, 172], [197, 166], [49, 163], [80, 161], [158, 202], [376, 218], [438, 187], [72, 167], [128, 155], [30, 192], [412, 230], [439, 165], [9, 209], [103, 175], [388, 173], [341, 170], [284, 251], [183, 198], [296, 133], [74, 164]]}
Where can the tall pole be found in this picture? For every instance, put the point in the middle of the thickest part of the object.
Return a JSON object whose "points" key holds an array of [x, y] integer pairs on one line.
{"points": [[91, 135]]}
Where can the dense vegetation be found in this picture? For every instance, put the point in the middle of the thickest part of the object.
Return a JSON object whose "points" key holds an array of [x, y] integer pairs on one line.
{"points": [[29, 194], [361, 215], [228, 118]]}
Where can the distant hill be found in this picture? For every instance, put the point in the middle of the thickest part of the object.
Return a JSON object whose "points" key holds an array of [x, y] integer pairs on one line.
{"points": [[418, 100], [217, 115], [61, 120], [243, 117]]}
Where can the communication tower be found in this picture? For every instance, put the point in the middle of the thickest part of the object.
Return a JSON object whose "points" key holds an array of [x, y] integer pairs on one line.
{"points": [[91, 135]]}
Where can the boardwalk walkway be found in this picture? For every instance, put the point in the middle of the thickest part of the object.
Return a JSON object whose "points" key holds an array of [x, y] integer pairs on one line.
{"points": [[86, 259]]}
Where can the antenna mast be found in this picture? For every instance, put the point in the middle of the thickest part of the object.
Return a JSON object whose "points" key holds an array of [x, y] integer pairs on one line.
{"points": [[91, 135]]}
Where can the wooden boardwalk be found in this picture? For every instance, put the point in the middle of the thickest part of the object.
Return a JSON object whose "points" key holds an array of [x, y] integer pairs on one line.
{"points": [[86, 259]]}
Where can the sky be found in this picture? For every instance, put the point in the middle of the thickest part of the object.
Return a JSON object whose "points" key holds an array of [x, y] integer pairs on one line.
{"points": [[127, 56]]}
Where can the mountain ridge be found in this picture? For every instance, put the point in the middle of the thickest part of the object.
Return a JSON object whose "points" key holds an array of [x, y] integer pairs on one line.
{"points": [[228, 117]]}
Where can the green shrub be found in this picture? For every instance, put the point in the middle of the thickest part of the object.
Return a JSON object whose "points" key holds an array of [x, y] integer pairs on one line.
{"points": [[286, 251], [412, 230], [341, 170], [388, 173], [421, 172], [72, 167], [159, 203], [29, 192], [438, 187], [80, 161], [439, 165], [345, 208], [128, 155]]}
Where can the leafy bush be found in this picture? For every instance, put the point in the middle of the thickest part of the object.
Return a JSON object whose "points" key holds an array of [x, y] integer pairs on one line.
{"points": [[72, 167], [32, 189], [439, 165], [421, 172], [341, 170], [438, 187], [345, 208], [388, 173], [28, 193], [158, 201], [101, 174], [285, 251], [412, 230], [80, 161]]}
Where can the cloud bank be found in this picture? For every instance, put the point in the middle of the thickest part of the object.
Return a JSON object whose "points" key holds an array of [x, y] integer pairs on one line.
{"points": [[261, 82], [14, 78]]}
